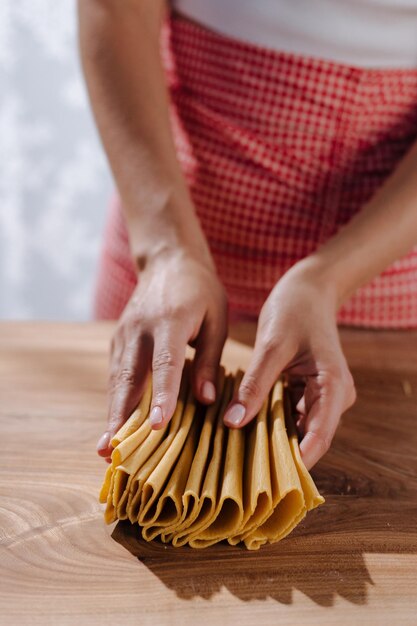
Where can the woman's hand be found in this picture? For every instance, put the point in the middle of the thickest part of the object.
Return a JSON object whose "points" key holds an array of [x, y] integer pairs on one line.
{"points": [[297, 333], [178, 301], [178, 298]]}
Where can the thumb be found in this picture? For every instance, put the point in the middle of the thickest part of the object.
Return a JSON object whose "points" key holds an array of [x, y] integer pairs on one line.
{"points": [[267, 363]]}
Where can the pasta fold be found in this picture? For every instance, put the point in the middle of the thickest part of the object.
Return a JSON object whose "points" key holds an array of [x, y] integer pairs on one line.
{"points": [[197, 482]]}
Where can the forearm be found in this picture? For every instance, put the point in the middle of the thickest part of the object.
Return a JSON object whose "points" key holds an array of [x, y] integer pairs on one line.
{"points": [[383, 231], [119, 44]]}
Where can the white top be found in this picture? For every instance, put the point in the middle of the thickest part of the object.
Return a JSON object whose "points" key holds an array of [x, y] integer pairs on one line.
{"points": [[367, 33]]}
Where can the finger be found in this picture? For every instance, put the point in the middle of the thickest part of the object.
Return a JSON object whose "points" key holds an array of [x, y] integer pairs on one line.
{"points": [[300, 416], [167, 365], [301, 406], [208, 351], [296, 387], [116, 352], [127, 385], [297, 402], [267, 363], [103, 445], [300, 424], [325, 399]]}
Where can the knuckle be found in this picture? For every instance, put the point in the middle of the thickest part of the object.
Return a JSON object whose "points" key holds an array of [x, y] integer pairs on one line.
{"points": [[115, 422], [333, 378], [340, 378], [130, 319], [125, 377], [268, 344], [164, 360], [274, 341], [163, 399], [177, 313], [133, 328], [250, 387]]}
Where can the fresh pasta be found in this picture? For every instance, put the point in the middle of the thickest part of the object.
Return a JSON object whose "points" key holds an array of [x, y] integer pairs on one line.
{"points": [[197, 482]]}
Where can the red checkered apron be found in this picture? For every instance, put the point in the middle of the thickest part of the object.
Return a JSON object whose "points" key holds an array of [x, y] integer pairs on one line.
{"points": [[279, 150]]}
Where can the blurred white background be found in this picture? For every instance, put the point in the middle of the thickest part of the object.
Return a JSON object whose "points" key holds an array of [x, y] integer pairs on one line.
{"points": [[54, 179]]}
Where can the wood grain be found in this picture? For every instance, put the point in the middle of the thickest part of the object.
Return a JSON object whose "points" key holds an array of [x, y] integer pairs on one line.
{"points": [[352, 561]]}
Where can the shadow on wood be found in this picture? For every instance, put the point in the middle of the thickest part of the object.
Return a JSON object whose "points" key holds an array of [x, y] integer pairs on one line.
{"points": [[369, 480], [274, 571]]}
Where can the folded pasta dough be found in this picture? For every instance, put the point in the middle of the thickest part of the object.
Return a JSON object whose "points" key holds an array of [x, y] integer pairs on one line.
{"points": [[125, 473], [289, 503], [311, 494], [136, 419], [166, 509], [130, 467], [198, 482], [104, 491], [192, 500], [154, 484], [179, 501], [257, 488], [135, 429], [228, 513], [208, 497], [110, 515], [143, 470]]}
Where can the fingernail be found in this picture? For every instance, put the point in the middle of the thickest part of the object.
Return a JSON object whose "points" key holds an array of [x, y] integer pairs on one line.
{"points": [[103, 442], [155, 416], [208, 391], [235, 414]]}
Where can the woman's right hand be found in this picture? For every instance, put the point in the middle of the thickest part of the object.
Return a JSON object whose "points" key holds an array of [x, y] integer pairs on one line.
{"points": [[179, 300]]}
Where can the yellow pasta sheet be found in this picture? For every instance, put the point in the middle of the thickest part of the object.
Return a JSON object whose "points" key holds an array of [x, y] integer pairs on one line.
{"points": [[197, 482]]}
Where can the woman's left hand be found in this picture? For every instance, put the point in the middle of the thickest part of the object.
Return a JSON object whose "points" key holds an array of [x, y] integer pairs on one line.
{"points": [[297, 333]]}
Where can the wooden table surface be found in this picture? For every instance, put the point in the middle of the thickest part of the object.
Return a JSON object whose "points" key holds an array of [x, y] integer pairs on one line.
{"points": [[352, 561]]}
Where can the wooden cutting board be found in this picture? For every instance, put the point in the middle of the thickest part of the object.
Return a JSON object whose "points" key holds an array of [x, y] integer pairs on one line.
{"points": [[352, 561]]}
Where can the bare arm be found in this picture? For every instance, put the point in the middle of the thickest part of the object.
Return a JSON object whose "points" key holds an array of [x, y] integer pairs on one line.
{"points": [[119, 44], [383, 231], [178, 299], [297, 330]]}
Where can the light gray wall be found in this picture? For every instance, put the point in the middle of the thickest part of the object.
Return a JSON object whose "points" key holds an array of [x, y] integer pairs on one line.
{"points": [[54, 180]]}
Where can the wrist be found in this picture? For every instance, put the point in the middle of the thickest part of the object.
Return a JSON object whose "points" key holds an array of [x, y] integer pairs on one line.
{"points": [[168, 256], [173, 249], [316, 272], [166, 231]]}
